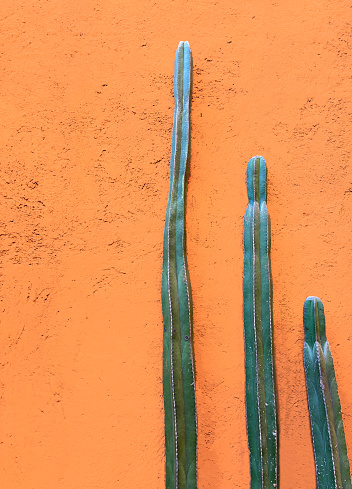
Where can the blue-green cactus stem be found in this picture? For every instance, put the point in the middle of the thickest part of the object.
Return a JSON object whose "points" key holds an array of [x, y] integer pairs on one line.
{"points": [[258, 328], [329, 444], [178, 364]]}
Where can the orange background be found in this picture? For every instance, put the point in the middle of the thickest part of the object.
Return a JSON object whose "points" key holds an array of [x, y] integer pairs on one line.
{"points": [[86, 121]]}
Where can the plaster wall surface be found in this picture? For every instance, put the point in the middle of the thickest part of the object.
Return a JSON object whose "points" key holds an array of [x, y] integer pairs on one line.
{"points": [[86, 110]]}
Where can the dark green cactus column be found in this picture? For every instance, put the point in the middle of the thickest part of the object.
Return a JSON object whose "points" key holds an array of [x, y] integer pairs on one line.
{"points": [[178, 365], [330, 451], [258, 326]]}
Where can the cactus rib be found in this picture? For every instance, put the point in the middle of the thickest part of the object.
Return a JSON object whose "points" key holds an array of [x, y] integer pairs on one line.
{"points": [[329, 444], [257, 317], [178, 364]]}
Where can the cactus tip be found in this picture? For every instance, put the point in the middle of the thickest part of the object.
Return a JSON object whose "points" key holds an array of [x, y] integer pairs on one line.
{"points": [[256, 179], [314, 320]]}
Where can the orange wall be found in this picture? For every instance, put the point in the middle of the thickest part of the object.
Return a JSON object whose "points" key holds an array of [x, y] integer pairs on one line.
{"points": [[86, 120]]}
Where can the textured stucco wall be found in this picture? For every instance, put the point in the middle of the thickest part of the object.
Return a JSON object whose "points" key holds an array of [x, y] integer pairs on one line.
{"points": [[86, 118]]}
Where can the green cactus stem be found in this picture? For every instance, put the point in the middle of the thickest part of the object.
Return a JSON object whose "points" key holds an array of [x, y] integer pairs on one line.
{"points": [[258, 325], [178, 365], [330, 451]]}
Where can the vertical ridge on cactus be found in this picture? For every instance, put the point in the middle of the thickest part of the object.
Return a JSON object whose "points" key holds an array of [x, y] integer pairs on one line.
{"points": [[329, 444], [178, 364], [258, 324]]}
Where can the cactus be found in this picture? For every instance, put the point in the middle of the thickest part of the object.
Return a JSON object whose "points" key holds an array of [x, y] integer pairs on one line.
{"points": [[330, 451], [258, 324], [178, 365]]}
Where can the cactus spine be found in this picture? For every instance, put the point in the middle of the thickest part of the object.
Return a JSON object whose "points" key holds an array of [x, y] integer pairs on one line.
{"points": [[178, 366], [330, 451], [258, 325]]}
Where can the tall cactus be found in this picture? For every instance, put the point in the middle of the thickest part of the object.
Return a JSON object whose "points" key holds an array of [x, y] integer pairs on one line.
{"points": [[330, 451], [178, 365], [258, 325]]}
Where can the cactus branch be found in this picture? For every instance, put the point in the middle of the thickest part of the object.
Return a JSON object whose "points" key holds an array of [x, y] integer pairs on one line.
{"points": [[178, 365], [258, 325], [329, 444]]}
